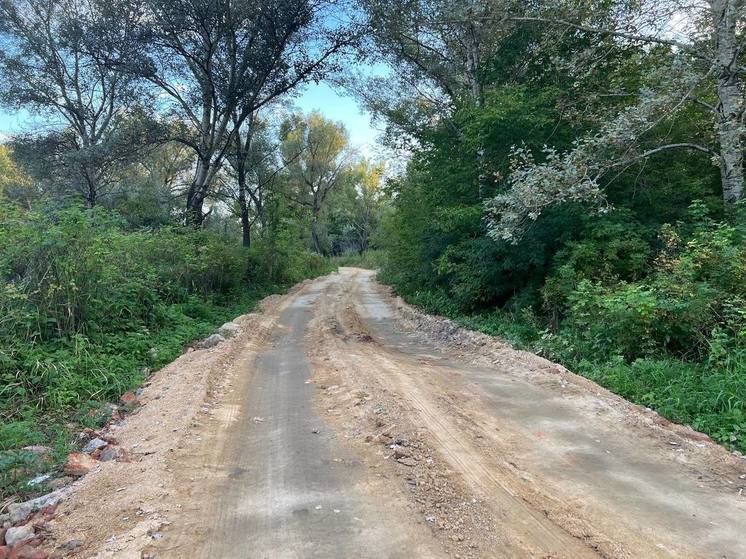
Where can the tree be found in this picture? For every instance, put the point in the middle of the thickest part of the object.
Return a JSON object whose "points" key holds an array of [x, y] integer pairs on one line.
{"points": [[367, 201], [255, 164], [705, 67], [318, 159], [60, 58], [220, 61], [712, 45], [153, 188]]}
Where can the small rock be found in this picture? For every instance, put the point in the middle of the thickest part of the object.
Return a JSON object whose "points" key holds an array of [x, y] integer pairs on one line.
{"points": [[407, 461], [85, 435], [18, 512], [110, 409], [93, 445], [28, 552], [315, 431], [38, 479], [60, 482], [73, 544], [79, 464], [18, 535], [210, 341], [229, 329], [383, 438], [110, 453], [401, 452], [128, 399]]}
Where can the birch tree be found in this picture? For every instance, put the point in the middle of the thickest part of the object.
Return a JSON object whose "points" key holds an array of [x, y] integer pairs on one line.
{"points": [[704, 43]]}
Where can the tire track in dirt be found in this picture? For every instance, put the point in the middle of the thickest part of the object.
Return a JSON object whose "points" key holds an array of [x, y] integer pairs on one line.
{"points": [[336, 396], [273, 482], [522, 530], [644, 506]]}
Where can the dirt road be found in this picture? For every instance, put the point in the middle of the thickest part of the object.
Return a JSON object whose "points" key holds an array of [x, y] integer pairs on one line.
{"points": [[342, 423]]}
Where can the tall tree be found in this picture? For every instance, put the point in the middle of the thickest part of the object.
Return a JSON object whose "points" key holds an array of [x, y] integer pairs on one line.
{"points": [[701, 45], [59, 58], [367, 202], [318, 159], [254, 165], [219, 61]]}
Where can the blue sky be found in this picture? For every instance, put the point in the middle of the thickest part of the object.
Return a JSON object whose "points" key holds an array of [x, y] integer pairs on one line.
{"points": [[13, 122], [322, 97], [340, 107]]}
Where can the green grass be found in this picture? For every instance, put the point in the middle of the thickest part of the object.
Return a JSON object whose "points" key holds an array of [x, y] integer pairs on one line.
{"points": [[88, 307], [83, 374]]}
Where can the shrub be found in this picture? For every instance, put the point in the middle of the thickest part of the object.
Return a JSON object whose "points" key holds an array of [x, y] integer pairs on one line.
{"points": [[691, 305]]}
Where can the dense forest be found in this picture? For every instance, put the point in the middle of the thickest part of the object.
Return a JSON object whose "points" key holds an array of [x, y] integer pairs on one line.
{"points": [[573, 183]]}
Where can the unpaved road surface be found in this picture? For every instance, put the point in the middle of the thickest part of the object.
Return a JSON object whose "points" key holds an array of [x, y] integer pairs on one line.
{"points": [[340, 423]]}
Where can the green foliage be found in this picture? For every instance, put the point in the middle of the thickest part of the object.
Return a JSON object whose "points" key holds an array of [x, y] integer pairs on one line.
{"points": [[691, 304], [667, 331]]}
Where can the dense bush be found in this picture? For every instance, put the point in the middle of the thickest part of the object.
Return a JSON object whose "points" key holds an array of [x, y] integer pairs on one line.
{"points": [[371, 259], [690, 305], [646, 294], [82, 273]]}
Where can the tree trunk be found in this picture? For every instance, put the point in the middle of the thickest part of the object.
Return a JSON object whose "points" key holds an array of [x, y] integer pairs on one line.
{"points": [[315, 232], [472, 64], [244, 206], [730, 99], [243, 153], [91, 189], [364, 242], [196, 195], [92, 196], [477, 94], [194, 212]]}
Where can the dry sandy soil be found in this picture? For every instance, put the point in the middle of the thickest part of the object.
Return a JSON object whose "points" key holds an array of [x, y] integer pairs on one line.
{"points": [[340, 422]]}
